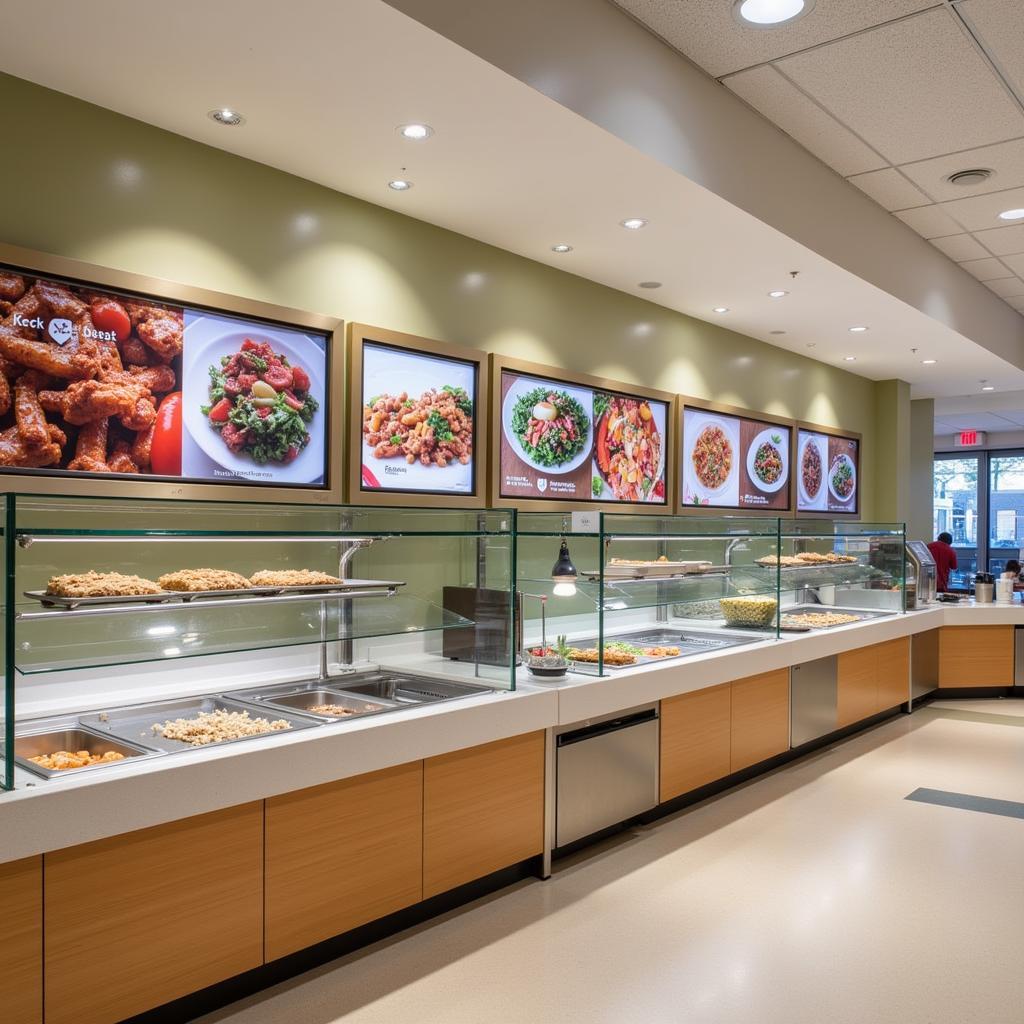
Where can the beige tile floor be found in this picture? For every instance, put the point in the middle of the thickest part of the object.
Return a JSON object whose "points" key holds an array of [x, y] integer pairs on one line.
{"points": [[816, 895]]}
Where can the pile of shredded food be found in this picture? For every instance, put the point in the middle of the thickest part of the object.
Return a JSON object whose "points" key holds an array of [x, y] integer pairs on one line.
{"points": [[217, 726]]}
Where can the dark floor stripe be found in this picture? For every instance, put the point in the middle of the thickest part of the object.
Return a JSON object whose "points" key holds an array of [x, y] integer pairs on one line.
{"points": [[966, 802]]}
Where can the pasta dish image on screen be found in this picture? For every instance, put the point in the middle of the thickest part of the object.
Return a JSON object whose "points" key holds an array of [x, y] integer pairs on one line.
{"points": [[712, 457]]}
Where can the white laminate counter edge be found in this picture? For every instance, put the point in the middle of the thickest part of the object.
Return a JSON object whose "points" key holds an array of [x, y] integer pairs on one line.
{"points": [[66, 812]]}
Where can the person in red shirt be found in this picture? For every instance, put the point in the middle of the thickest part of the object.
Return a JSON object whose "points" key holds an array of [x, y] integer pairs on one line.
{"points": [[945, 560]]}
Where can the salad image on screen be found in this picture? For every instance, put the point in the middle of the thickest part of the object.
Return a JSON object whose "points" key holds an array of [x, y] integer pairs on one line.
{"points": [[768, 464], [260, 403], [842, 477], [551, 426], [435, 429], [627, 448]]}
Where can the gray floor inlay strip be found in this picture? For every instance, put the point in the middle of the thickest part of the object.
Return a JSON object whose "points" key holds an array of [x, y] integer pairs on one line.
{"points": [[976, 716], [966, 802]]}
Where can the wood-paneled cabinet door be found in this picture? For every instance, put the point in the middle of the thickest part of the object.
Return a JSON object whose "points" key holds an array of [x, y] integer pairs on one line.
{"points": [[483, 809], [695, 739], [139, 919], [975, 656], [21, 941], [893, 673], [760, 718], [857, 686], [341, 855]]}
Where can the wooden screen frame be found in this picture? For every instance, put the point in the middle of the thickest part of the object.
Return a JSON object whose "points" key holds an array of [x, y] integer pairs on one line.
{"points": [[686, 402], [498, 364], [128, 485], [358, 335], [846, 435]]}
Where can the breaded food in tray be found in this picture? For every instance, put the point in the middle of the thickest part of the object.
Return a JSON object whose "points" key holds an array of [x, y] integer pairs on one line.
{"points": [[198, 580], [100, 584], [292, 578]]}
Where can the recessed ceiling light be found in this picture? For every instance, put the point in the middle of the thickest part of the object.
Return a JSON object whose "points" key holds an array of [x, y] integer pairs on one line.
{"points": [[633, 223], [1017, 214], [720, 309], [776, 332], [649, 284], [415, 132], [400, 185], [561, 247], [812, 344], [858, 330], [227, 117], [989, 387], [849, 359], [971, 177], [777, 294], [770, 13], [929, 362]]}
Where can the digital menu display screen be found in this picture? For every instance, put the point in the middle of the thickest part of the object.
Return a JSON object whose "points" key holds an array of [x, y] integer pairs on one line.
{"points": [[562, 441], [96, 382], [827, 468], [734, 462], [418, 421]]}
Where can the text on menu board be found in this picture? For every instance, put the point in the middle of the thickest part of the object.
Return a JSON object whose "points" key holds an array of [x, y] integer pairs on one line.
{"points": [[827, 468], [734, 462], [566, 441], [97, 382], [418, 421]]}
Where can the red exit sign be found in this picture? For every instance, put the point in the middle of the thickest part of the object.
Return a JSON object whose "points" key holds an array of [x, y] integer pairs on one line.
{"points": [[969, 438]]}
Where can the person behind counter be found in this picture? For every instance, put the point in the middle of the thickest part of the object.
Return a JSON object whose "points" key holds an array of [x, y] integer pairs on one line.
{"points": [[945, 560]]}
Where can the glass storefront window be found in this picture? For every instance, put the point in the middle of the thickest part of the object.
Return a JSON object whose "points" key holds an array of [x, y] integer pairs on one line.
{"points": [[955, 510], [1006, 509]]}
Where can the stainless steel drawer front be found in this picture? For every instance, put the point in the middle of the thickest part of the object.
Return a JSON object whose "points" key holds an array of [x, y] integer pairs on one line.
{"points": [[607, 773]]}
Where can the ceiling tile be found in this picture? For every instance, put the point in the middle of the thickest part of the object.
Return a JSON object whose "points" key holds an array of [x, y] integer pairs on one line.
{"points": [[960, 247], [980, 212], [977, 421], [1016, 418], [1005, 160], [930, 222], [912, 90], [890, 189], [1015, 263], [1002, 241], [1000, 25], [780, 101], [707, 32], [985, 270], [1007, 287]]}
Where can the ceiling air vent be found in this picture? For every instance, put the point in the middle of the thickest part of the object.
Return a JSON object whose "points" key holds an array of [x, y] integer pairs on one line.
{"points": [[970, 178]]}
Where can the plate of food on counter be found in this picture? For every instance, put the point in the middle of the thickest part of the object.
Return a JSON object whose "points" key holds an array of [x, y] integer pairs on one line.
{"points": [[619, 654], [629, 450], [547, 426], [634, 568], [768, 461]]}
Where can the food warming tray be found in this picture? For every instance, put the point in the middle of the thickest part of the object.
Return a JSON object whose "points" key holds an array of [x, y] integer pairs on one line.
{"points": [[72, 739], [291, 698], [828, 609], [652, 570], [61, 601], [688, 641], [186, 596], [406, 689], [136, 724]]}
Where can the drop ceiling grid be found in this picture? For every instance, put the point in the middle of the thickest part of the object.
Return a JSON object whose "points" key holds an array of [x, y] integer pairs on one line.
{"points": [[946, 212]]}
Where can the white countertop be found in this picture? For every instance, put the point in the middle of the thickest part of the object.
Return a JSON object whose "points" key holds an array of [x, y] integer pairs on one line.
{"points": [[53, 814]]}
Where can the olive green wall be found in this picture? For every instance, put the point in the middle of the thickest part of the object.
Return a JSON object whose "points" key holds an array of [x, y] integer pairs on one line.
{"points": [[86, 183]]}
